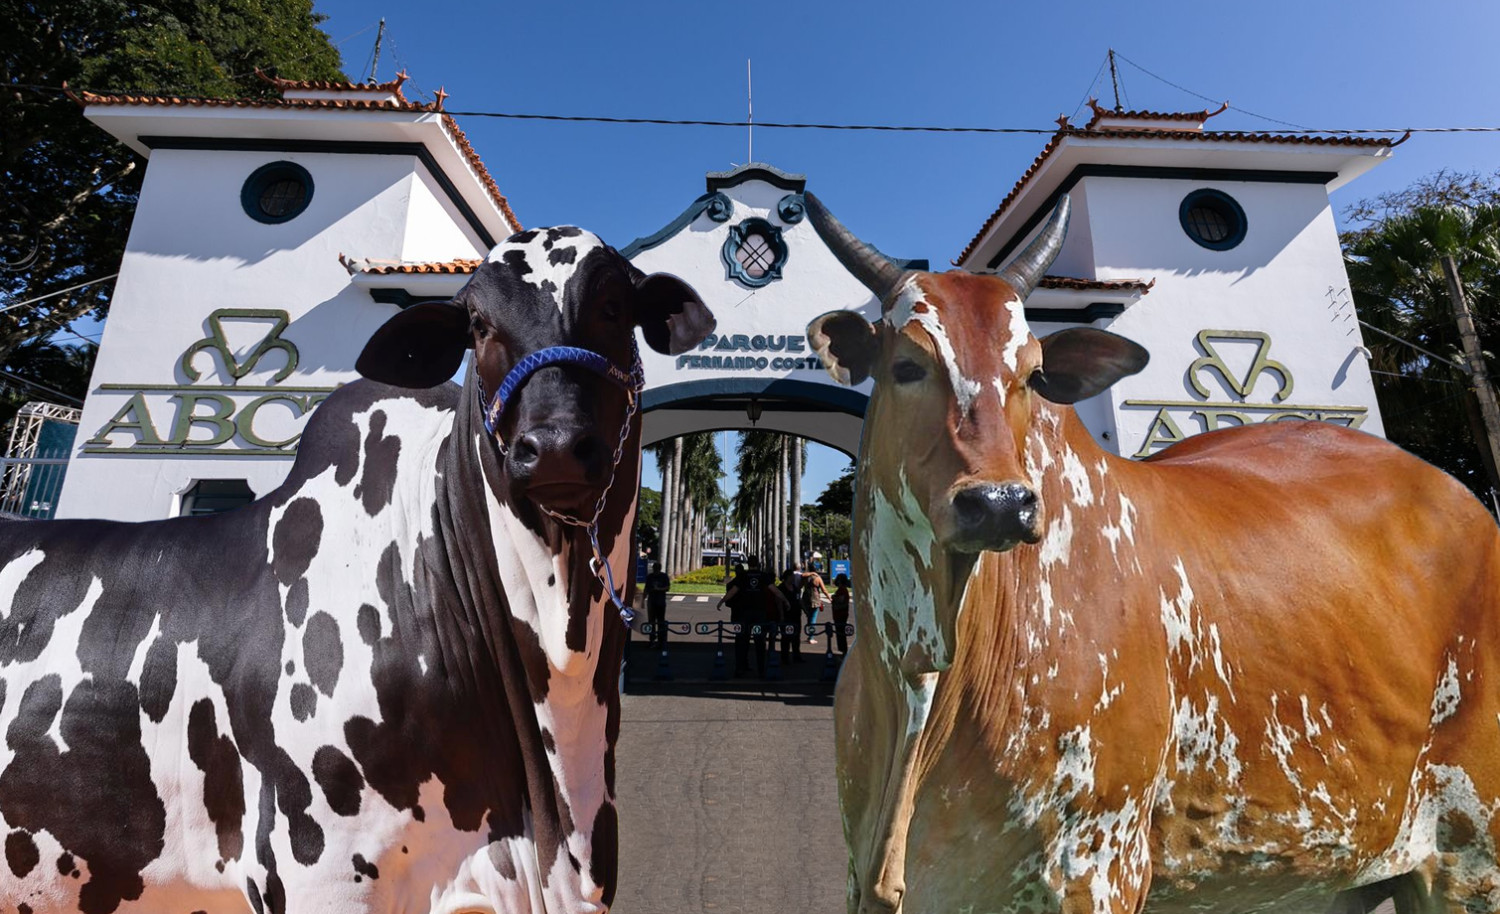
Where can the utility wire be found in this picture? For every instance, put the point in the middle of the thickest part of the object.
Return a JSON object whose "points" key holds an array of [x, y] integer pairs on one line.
{"points": [[1089, 92], [32, 301], [1427, 352], [890, 128], [1273, 120], [42, 387]]}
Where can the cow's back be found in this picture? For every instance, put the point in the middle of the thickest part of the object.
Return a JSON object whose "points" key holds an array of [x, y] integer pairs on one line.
{"points": [[178, 698]]}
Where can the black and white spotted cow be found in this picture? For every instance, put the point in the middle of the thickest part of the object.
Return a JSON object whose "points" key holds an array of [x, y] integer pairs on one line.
{"points": [[389, 685]]}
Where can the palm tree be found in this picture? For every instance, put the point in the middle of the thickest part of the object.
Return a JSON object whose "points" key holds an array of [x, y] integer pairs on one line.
{"points": [[701, 469], [1396, 278]]}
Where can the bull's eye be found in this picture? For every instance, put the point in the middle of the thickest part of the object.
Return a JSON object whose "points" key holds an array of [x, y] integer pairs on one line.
{"points": [[1036, 379], [611, 310], [905, 371]]}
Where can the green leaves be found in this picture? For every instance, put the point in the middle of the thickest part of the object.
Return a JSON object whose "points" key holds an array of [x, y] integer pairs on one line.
{"points": [[1397, 283], [69, 190]]}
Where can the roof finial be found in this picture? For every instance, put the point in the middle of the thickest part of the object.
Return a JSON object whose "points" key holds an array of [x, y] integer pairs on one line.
{"points": [[438, 97]]}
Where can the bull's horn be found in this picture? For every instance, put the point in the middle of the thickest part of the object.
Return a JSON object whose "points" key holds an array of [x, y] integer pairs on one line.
{"points": [[868, 265], [1027, 268]]}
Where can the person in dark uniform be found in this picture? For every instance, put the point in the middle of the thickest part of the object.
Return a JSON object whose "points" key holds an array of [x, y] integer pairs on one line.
{"points": [[790, 632], [749, 598], [657, 585], [841, 611]]}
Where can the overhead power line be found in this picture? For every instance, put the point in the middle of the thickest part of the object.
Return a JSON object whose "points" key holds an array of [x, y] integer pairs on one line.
{"points": [[891, 128], [32, 301]]}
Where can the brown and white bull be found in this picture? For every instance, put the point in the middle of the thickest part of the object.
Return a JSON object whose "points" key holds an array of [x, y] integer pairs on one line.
{"points": [[1259, 671]]}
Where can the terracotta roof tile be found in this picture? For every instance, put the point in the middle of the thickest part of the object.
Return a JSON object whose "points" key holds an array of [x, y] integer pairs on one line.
{"points": [[1096, 285], [1101, 112], [85, 98], [484, 173], [1150, 134], [462, 266], [325, 85]]}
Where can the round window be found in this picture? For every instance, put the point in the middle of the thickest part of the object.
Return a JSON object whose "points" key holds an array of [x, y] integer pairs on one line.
{"points": [[755, 255], [276, 192], [754, 252], [1213, 219]]}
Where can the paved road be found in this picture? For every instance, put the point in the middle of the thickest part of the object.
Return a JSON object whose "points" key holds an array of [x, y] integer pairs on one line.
{"points": [[728, 804]]}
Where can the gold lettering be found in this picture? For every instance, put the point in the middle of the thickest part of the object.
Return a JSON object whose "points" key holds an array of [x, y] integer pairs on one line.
{"points": [[1162, 431], [244, 423], [1212, 418], [139, 421], [223, 408]]}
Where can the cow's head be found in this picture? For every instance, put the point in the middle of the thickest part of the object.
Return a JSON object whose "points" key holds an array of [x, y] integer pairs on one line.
{"points": [[959, 385], [539, 289]]}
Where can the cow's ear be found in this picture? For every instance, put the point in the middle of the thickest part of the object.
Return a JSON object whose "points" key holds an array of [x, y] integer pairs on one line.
{"points": [[420, 347], [1080, 362], [671, 316], [847, 343]]}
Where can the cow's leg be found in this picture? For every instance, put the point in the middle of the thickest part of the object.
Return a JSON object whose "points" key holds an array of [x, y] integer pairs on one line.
{"points": [[887, 883]]}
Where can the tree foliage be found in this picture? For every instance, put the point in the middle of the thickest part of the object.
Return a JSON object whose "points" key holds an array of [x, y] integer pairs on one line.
{"points": [[69, 188], [1397, 282], [838, 498]]}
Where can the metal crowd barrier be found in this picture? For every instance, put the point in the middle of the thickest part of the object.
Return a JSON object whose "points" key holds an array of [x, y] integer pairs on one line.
{"points": [[771, 631]]}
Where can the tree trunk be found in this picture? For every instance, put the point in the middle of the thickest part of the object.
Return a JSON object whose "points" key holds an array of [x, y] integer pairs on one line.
{"points": [[796, 501], [783, 533], [677, 502], [664, 534], [684, 524]]}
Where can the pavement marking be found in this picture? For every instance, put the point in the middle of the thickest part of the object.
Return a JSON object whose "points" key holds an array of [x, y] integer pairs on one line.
{"points": [[678, 599], [703, 599]]}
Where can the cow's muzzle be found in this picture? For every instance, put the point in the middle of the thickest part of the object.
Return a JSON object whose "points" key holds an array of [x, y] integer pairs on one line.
{"points": [[993, 517], [561, 467]]}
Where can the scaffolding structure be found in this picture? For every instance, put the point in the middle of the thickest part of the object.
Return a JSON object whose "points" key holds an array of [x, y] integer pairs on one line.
{"points": [[32, 480]]}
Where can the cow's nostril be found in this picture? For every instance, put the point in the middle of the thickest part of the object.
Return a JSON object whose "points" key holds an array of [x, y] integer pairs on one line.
{"points": [[971, 506], [526, 450]]}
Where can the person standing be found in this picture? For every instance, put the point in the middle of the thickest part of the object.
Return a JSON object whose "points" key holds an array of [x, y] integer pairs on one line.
{"points": [[841, 612], [657, 586], [791, 624], [813, 595], [750, 596]]}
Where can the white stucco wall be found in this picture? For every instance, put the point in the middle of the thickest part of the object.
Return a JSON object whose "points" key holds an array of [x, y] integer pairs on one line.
{"points": [[813, 282], [193, 250], [1286, 279]]}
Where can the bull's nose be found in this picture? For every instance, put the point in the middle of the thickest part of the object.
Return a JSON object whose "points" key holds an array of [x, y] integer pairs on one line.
{"points": [[994, 517], [549, 456]]}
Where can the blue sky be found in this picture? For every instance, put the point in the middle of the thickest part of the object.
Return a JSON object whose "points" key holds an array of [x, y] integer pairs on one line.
{"points": [[1309, 63]]}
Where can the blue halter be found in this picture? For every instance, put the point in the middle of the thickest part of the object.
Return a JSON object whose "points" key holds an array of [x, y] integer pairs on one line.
{"points": [[633, 381]]}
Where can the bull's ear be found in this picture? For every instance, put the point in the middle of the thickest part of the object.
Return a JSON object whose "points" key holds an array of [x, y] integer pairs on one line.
{"points": [[672, 317], [1080, 362], [420, 347], [847, 343]]}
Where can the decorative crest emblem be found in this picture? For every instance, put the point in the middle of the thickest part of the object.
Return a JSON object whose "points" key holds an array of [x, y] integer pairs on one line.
{"points": [[217, 342], [1261, 364]]}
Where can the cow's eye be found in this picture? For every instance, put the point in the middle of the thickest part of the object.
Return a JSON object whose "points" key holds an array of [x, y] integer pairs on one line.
{"points": [[1035, 379], [611, 310], [905, 371]]}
